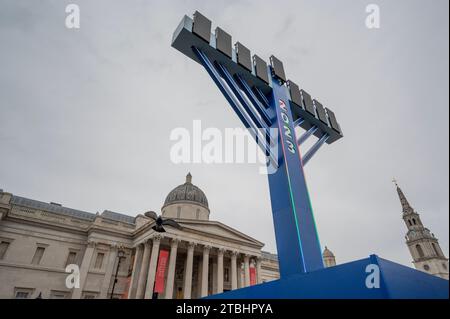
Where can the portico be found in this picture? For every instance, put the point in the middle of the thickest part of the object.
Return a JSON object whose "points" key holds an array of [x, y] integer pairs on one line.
{"points": [[195, 269]]}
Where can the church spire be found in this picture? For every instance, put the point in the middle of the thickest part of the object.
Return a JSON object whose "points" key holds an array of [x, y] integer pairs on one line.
{"points": [[424, 247], [405, 204]]}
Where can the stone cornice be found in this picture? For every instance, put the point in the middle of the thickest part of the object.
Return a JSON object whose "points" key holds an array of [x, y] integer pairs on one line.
{"points": [[48, 218], [46, 225]]}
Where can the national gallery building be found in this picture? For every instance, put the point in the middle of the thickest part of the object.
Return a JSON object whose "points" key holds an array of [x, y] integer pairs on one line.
{"points": [[120, 256]]}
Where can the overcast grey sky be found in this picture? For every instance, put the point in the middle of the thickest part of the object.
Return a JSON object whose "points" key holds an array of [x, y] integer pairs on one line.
{"points": [[86, 114]]}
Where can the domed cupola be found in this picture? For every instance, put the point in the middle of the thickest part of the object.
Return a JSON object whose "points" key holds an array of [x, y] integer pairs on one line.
{"points": [[186, 201]]}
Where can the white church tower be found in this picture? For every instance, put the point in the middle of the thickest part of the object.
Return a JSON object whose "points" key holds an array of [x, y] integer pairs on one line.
{"points": [[328, 258], [424, 247]]}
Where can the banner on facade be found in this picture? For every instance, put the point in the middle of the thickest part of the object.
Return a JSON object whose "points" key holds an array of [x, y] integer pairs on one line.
{"points": [[127, 286], [161, 271], [252, 276]]}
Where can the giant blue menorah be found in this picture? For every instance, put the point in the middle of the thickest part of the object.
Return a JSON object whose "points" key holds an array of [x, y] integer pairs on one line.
{"points": [[266, 102]]}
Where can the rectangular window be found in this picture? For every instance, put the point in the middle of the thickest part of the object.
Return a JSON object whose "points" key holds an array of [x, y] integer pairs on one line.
{"points": [[71, 258], [58, 295], [3, 248], [38, 256], [23, 293], [89, 295], [99, 261]]}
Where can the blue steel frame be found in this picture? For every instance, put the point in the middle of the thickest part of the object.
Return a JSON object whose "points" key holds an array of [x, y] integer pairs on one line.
{"points": [[302, 272], [298, 244]]}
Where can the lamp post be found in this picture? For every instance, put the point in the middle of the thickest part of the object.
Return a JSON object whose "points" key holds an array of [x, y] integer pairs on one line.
{"points": [[120, 255]]}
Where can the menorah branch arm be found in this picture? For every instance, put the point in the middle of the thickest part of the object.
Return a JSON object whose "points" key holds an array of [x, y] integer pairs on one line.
{"points": [[302, 139], [313, 150]]}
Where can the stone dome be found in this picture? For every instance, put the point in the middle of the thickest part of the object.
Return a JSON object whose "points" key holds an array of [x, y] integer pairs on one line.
{"points": [[187, 192]]}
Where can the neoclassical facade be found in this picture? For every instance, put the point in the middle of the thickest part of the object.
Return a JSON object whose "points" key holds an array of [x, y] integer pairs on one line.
{"points": [[117, 255]]}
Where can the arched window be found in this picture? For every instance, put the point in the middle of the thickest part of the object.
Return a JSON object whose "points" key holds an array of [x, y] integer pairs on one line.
{"points": [[436, 251], [414, 221], [420, 251], [409, 221]]}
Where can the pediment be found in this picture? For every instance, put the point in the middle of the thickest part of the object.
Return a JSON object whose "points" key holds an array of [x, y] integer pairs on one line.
{"points": [[218, 229]]}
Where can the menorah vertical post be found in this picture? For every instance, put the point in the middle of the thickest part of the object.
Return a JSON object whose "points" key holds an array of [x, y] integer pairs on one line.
{"points": [[297, 240]]}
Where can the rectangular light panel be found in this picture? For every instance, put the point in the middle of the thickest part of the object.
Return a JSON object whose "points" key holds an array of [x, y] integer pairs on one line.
{"points": [[321, 112], [223, 42], [308, 103], [334, 124], [261, 68], [294, 90], [202, 26], [244, 58], [278, 68]]}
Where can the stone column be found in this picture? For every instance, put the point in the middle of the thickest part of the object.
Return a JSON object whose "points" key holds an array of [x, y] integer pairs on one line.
{"points": [[84, 269], [199, 277], [205, 268], [152, 267], [234, 270], [188, 272], [143, 273], [213, 276], [246, 270], [171, 271], [135, 273], [220, 270], [109, 272], [240, 274], [258, 270]]}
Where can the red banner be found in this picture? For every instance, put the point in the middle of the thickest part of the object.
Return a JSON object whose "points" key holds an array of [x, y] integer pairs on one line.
{"points": [[161, 270], [252, 276], [127, 286]]}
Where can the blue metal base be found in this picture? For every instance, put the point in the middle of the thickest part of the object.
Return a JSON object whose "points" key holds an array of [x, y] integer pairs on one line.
{"points": [[348, 281]]}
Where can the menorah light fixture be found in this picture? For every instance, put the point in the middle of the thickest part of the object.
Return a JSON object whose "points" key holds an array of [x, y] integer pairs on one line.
{"points": [[266, 101]]}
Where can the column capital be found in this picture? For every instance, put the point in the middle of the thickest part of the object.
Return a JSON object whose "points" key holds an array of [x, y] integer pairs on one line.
{"points": [[221, 250], [174, 242], [118, 246], [157, 238], [234, 253], [146, 242], [191, 244], [91, 243], [206, 248]]}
